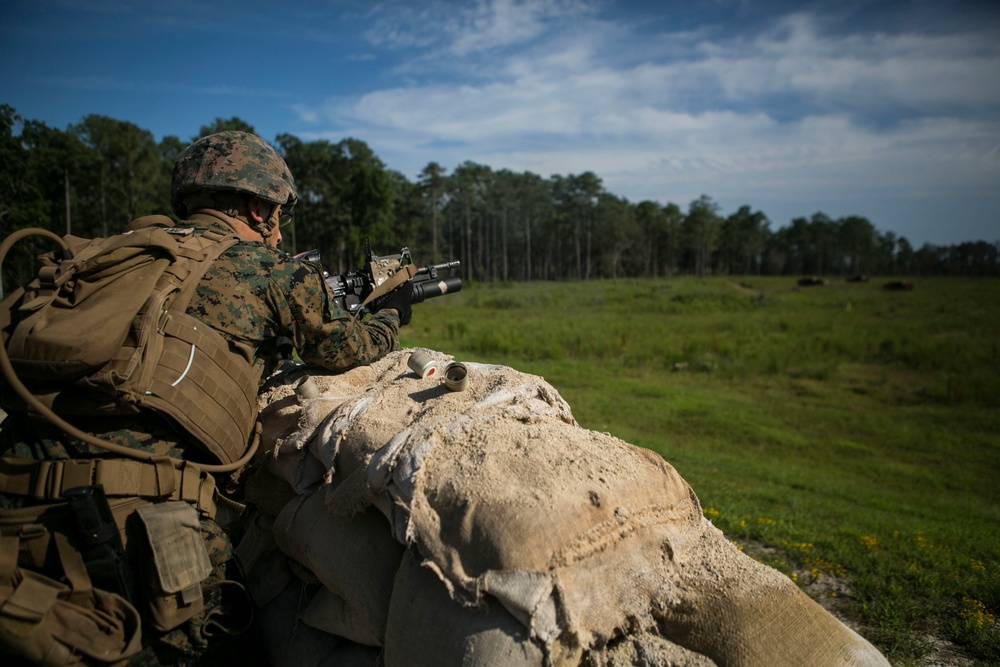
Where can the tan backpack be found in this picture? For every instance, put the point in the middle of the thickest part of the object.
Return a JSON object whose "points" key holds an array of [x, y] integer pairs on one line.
{"points": [[104, 332]]}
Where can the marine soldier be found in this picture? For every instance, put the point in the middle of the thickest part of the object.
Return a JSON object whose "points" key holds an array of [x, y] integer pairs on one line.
{"points": [[253, 294]]}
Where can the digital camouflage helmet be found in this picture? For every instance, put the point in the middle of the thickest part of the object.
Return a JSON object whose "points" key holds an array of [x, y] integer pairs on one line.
{"points": [[231, 162]]}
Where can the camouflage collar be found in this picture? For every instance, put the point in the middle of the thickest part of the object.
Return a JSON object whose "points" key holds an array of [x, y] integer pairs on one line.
{"points": [[207, 218]]}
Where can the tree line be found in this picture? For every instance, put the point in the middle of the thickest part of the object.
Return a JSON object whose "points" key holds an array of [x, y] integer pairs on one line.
{"points": [[95, 176]]}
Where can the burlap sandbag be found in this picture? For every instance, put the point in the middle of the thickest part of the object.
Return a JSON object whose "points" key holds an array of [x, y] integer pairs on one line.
{"points": [[329, 612], [584, 539], [427, 628], [288, 424], [289, 642], [355, 558]]}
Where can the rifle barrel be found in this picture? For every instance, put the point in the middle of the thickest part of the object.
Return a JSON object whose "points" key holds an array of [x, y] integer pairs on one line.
{"points": [[454, 264]]}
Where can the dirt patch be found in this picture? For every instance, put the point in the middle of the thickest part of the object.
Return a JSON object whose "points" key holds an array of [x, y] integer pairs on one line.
{"points": [[744, 288]]}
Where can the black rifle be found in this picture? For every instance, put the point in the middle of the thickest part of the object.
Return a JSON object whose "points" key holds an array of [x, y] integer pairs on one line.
{"points": [[380, 275], [99, 541]]}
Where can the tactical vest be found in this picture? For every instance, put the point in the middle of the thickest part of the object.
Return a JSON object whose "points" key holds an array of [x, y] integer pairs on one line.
{"points": [[106, 333]]}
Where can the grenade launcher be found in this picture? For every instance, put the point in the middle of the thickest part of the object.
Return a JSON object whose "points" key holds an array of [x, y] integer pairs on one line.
{"points": [[380, 275]]}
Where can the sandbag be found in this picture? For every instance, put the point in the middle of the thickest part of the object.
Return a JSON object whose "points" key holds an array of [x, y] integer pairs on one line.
{"points": [[355, 558], [583, 539], [288, 425], [646, 648], [288, 642], [427, 628], [329, 612]]}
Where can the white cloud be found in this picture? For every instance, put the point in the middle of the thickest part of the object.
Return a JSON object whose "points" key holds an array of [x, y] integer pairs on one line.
{"points": [[879, 70], [461, 28], [791, 115]]}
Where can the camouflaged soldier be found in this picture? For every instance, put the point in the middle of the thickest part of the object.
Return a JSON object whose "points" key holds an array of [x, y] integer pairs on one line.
{"points": [[253, 295]]}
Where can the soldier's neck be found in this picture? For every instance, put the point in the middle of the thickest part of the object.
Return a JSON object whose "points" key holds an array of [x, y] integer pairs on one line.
{"points": [[242, 229]]}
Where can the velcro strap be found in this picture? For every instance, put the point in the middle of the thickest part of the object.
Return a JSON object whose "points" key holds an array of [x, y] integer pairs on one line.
{"points": [[75, 571], [178, 271], [197, 488], [215, 235], [17, 475], [127, 477], [119, 477], [8, 557]]}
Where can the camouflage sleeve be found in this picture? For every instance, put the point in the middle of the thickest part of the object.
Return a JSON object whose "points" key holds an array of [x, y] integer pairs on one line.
{"points": [[323, 333], [255, 294]]}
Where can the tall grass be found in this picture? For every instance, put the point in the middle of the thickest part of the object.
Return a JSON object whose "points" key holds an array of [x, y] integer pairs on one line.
{"points": [[845, 432]]}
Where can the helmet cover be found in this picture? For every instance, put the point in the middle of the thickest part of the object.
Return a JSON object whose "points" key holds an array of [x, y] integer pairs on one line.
{"points": [[235, 162]]}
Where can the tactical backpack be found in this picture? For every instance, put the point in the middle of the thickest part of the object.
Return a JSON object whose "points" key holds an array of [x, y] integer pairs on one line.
{"points": [[102, 330]]}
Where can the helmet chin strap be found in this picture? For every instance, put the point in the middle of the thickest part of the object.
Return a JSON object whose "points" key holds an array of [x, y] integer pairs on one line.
{"points": [[268, 227]]}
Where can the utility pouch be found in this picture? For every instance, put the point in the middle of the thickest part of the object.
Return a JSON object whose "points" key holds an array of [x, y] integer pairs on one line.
{"points": [[174, 563], [48, 623]]}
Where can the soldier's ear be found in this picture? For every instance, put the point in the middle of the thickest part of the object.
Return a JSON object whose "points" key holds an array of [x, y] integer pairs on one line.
{"points": [[258, 210]]}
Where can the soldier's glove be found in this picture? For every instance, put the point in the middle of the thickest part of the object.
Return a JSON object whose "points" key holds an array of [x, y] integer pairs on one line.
{"points": [[400, 299]]}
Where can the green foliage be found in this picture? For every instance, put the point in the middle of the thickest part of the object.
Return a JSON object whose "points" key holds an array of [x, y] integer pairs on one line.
{"points": [[345, 194], [842, 433], [234, 124], [124, 176], [101, 173]]}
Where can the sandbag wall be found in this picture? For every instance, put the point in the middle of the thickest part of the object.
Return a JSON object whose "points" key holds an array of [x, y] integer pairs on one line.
{"points": [[401, 523]]}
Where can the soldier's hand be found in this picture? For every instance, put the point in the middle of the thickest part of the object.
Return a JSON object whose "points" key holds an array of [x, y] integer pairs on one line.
{"points": [[399, 300]]}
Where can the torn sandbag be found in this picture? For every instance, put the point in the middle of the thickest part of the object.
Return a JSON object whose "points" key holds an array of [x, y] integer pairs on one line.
{"points": [[583, 539]]}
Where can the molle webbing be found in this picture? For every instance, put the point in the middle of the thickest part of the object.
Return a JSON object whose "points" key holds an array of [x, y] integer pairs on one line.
{"points": [[201, 380], [155, 479], [204, 385]]}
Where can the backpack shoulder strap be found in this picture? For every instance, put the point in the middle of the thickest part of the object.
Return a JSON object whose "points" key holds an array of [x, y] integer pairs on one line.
{"points": [[203, 248]]}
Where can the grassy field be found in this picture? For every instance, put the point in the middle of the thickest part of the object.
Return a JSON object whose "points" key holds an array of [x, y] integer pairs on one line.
{"points": [[841, 433]]}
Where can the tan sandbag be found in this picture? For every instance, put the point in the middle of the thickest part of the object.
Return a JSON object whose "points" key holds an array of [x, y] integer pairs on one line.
{"points": [[328, 612], [584, 539], [288, 424], [645, 648], [269, 577], [427, 628], [289, 642], [503, 515], [267, 492], [355, 558], [740, 612]]}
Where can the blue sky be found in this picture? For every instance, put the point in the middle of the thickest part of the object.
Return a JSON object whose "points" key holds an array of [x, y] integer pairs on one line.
{"points": [[888, 109]]}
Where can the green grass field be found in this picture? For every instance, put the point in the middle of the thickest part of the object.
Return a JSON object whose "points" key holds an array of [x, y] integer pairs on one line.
{"points": [[840, 433]]}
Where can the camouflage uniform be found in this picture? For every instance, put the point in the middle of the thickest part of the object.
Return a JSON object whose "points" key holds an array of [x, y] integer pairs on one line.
{"points": [[253, 294]]}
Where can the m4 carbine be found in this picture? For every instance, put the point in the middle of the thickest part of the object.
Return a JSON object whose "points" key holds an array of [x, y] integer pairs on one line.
{"points": [[354, 290]]}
